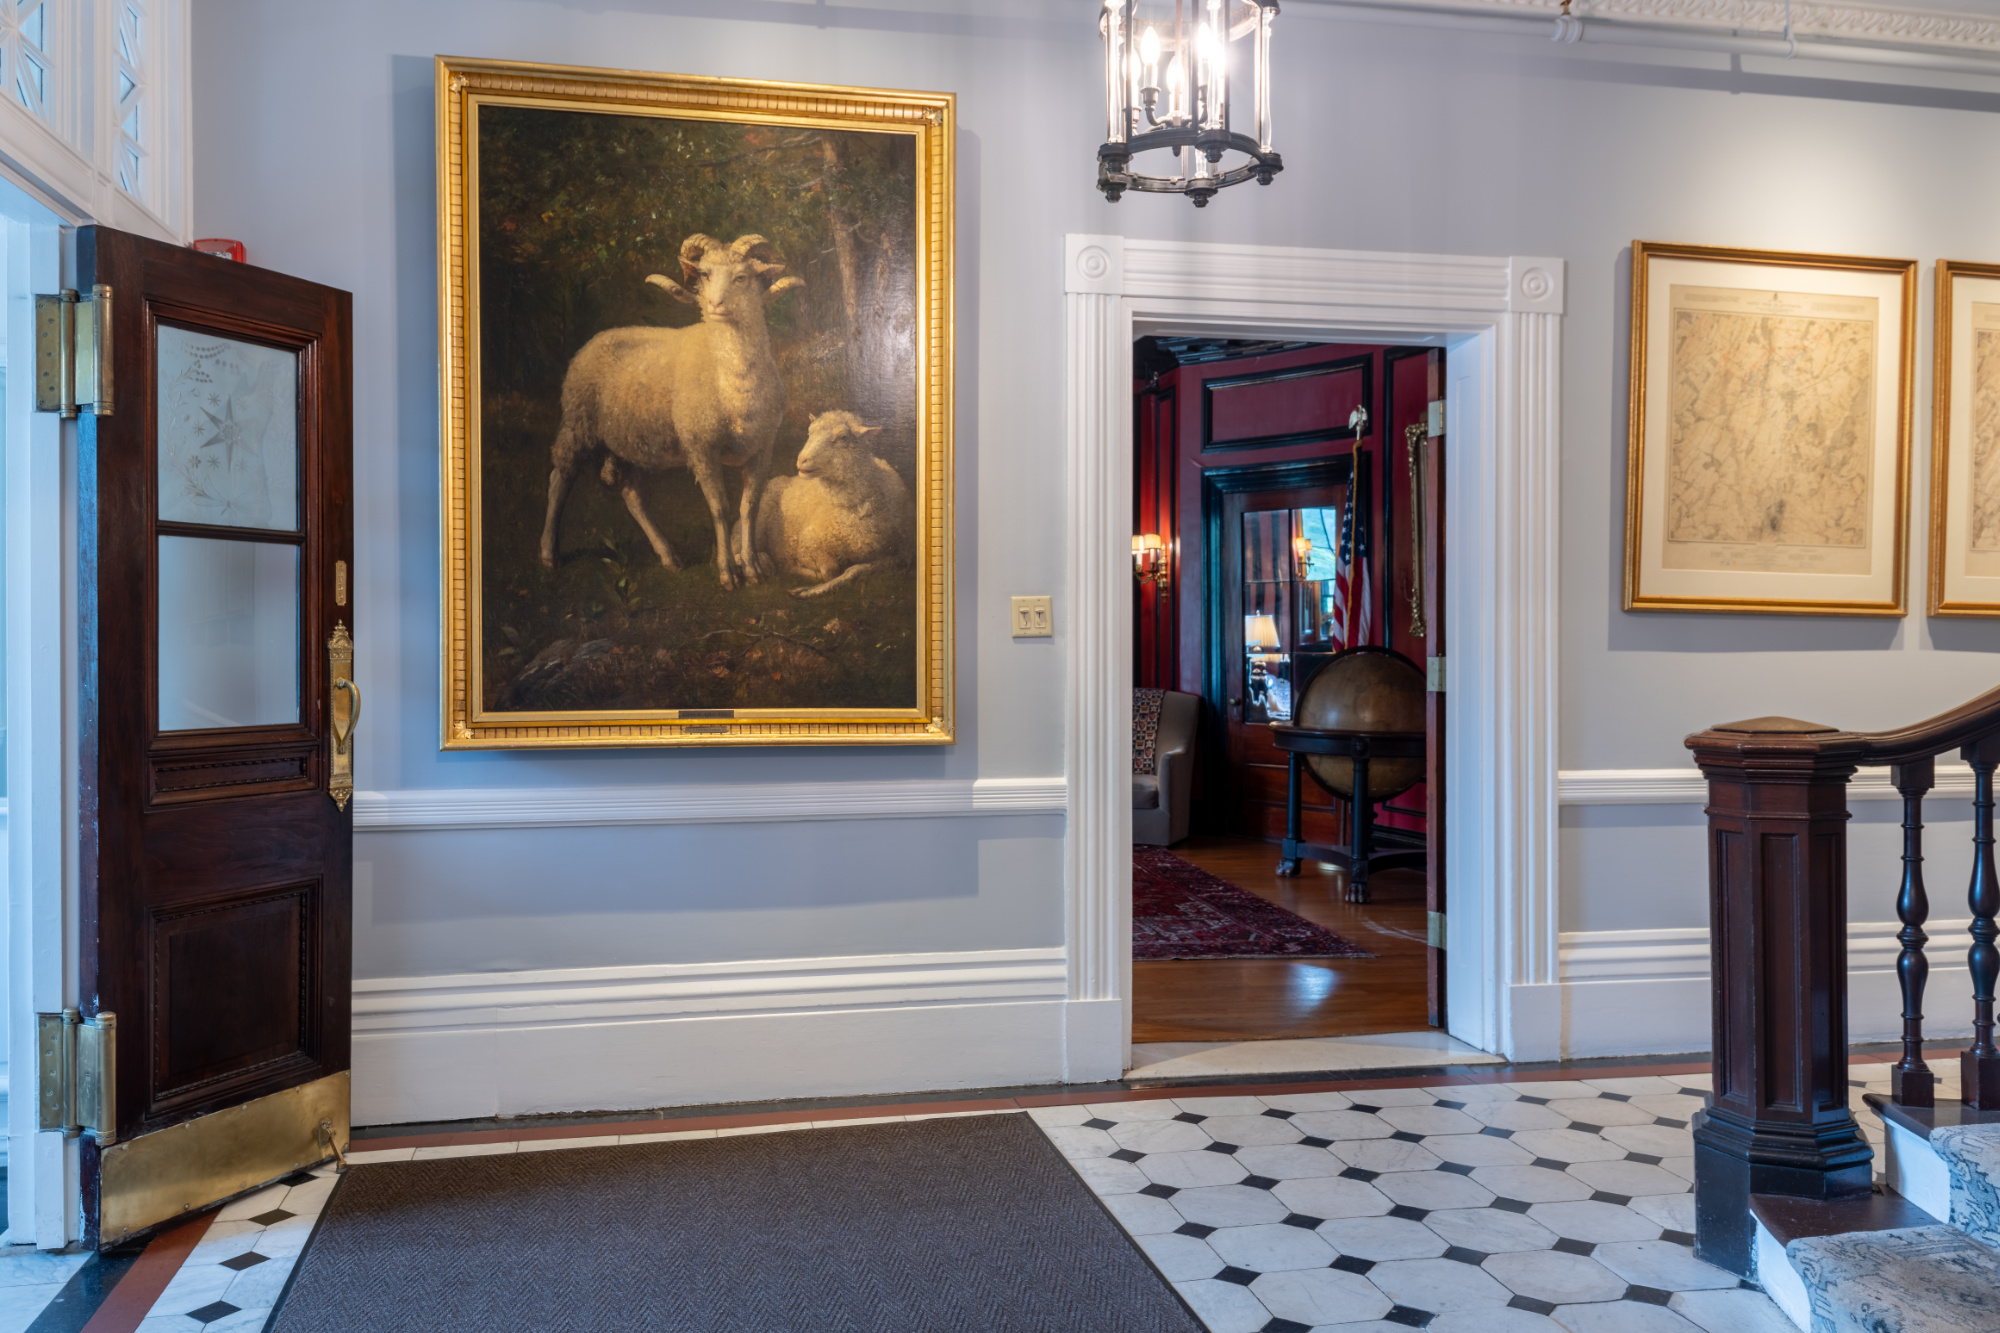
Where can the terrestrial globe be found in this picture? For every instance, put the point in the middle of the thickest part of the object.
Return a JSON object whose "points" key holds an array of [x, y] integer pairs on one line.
{"points": [[1366, 689]]}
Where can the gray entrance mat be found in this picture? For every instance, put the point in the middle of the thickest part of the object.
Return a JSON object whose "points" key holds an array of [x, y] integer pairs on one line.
{"points": [[932, 1226]]}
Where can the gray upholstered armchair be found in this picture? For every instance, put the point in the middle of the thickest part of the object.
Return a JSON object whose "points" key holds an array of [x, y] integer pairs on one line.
{"points": [[1160, 798]]}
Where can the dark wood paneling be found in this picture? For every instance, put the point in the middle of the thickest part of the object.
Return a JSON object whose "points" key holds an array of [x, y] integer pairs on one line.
{"points": [[206, 1038], [1306, 403]]}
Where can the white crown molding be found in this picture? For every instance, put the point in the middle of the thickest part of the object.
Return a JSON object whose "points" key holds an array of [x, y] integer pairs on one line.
{"points": [[1944, 30], [527, 807], [712, 990], [1686, 786]]}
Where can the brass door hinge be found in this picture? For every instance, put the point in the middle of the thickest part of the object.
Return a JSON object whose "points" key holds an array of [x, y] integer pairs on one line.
{"points": [[1436, 921], [1434, 417], [73, 352], [1434, 674], [78, 1060]]}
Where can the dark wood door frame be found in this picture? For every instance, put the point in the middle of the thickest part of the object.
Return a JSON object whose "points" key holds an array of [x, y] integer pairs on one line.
{"points": [[1216, 484]]}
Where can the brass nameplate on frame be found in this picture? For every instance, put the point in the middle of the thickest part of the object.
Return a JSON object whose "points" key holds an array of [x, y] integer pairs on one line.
{"points": [[344, 705]]}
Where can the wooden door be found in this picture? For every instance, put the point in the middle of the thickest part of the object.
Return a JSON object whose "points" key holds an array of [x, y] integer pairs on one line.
{"points": [[1253, 579], [215, 610], [1430, 449]]}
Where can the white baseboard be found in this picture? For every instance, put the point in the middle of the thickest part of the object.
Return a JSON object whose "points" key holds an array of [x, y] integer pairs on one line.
{"points": [[525, 1043], [757, 802], [1646, 992], [1686, 786]]}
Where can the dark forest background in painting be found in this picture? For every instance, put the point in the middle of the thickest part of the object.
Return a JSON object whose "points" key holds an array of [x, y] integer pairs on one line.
{"points": [[575, 210]]}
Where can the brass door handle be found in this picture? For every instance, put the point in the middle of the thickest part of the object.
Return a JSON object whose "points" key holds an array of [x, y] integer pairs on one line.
{"points": [[343, 735]]}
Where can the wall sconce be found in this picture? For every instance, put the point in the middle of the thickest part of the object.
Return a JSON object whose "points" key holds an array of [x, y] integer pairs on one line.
{"points": [[1302, 552], [1149, 561]]}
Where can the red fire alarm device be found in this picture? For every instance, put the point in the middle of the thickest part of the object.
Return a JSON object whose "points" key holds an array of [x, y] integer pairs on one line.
{"points": [[220, 247]]}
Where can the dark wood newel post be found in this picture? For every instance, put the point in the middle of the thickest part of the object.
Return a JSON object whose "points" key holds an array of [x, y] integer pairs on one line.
{"points": [[1779, 1121]]}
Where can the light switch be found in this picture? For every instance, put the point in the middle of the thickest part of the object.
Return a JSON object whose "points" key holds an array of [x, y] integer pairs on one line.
{"points": [[1032, 619]]}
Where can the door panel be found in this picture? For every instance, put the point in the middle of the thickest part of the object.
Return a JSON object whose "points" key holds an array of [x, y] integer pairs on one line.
{"points": [[215, 504]]}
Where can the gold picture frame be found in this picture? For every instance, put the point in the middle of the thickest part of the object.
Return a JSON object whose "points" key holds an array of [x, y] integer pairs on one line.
{"points": [[574, 212], [1965, 414], [1768, 437]]}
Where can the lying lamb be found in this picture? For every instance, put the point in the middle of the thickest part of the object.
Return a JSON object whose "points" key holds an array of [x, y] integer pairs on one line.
{"points": [[845, 515]]}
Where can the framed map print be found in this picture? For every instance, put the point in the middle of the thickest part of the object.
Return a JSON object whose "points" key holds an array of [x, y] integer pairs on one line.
{"points": [[1769, 437], [1965, 443]]}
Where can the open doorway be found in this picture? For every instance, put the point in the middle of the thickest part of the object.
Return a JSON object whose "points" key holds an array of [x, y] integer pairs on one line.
{"points": [[1288, 528]]}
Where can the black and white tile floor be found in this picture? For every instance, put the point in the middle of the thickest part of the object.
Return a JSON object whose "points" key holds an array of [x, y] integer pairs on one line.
{"points": [[231, 1280], [1500, 1208]]}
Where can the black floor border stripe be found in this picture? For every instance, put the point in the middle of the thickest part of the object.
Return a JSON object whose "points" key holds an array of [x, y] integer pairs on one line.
{"points": [[88, 1288]]}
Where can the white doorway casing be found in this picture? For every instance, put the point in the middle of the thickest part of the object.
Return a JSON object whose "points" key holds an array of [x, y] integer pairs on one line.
{"points": [[1502, 318]]}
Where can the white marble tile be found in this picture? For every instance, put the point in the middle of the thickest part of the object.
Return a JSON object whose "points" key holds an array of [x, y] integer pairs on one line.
{"points": [[225, 1240], [1656, 1140], [1433, 1189], [1701, 1081], [1224, 1306], [1181, 1258], [22, 1303], [1622, 1317], [1271, 1248], [1661, 1264], [173, 1323], [1331, 1197], [558, 1145], [1629, 1178], [1555, 1277], [1680, 1166], [368, 1156], [955, 1115], [1492, 1321], [668, 1136], [1549, 1087], [1489, 1230], [1514, 1115], [1291, 1162], [465, 1150], [1601, 1111], [1307, 1101], [1149, 1108], [1531, 1184], [1385, 1155], [284, 1240], [1228, 1106], [1478, 1150], [1142, 1214], [193, 1287], [1633, 1087], [1191, 1170], [1228, 1206], [1568, 1145], [1674, 1212], [1472, 1092], [36, 1269], [1320, 1297], [260, 1286], [1154, 1136], [1437, 1284], [1341, 1125], [263, 1201], [1429, 1120], [250, 1319], [1382, 1238], [1732, 1310], [1252, 1131], [1048, 1116], [309, 1198], [1079, 1141], [860, 1120], [1110, 1177], [1679, 1106], [1589, 1220], [1392, 1097], [1386, 1050]]}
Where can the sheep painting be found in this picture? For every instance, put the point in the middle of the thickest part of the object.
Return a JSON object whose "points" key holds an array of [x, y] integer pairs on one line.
{"points": [[703, 398], [698, 420], [845, 515]]}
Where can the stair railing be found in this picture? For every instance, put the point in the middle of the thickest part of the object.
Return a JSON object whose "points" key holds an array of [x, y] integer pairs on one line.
{"points": [[1778, 1121]]}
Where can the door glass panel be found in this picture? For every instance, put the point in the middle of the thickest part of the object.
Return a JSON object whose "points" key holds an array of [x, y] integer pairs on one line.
{"points": [[1267, 615], [229, 633], [228, 431]]}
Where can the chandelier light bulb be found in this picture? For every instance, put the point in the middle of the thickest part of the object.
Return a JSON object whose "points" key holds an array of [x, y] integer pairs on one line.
{"points": [[1187, 117]]}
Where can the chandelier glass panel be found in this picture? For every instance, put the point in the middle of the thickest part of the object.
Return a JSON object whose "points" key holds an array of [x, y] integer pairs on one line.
{"points": [[1168, 67]]}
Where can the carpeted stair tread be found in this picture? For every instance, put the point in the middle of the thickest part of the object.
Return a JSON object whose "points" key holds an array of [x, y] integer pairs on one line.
{"points": [[1915, 1280], [1972, 1154]]}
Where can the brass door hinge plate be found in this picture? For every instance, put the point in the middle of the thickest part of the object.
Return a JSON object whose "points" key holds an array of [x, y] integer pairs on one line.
{"points": [[1434, 674], [1435, 920], [1434, 418], [77, 1059], [73, 352]]}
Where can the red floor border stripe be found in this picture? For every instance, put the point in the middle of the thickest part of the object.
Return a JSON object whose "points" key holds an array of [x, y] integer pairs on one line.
{"points": [[133, 1298]]}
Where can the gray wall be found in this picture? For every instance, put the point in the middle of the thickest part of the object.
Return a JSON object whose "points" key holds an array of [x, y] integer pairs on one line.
{"points": [[314, 145]]}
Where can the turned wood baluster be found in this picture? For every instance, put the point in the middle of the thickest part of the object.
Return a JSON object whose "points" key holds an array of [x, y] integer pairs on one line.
{"points": [[1911, 1082], [1979, 1064]]}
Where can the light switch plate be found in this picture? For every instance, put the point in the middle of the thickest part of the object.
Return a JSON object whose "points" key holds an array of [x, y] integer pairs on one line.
{"points": [[1032, 619]]}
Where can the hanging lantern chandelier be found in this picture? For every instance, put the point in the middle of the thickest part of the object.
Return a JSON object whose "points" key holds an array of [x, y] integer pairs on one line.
{"points": [[1167, 86]]}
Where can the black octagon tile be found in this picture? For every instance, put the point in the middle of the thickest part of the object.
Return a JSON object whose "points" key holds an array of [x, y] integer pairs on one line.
{"points": [[1221, 1147], [1649, 1295], [1161, 1191], [1644, 1159], [1568, 1246], [1190, 1118], [1276, 1114], [1126, 1155], [1670, 1123], [1459, 1254], [1259, 1182], [243, 1261], [1242, 1277], [1452, 1106], [1303, 1221], [1409, 1213], [299, 1178], [1534, 1101], [1099, 1124], [1455, 1168], [1310, 1142], [272, 1218], [1614, 1096], [1359, 1173], [1531, 1305], [1365, 1110], [1548, 1164], [213, 1311], [1195, 1229], [1510, 1205], [1412, 1318], [1495, 1132], [1404, 1135], [1347, 1263], [1278, 1325], [1606, 1196], [1679, 1237], [1585, 1127]]}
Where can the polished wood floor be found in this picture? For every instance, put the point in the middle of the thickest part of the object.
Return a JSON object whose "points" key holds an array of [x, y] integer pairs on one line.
{"points": [[1242, 999]]}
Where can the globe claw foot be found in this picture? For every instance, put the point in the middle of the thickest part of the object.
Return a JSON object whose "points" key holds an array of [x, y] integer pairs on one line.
{"points": [[1288, 867]]}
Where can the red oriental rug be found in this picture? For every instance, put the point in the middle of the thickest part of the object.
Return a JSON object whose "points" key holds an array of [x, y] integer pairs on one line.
{"points": [[1180, 910]]}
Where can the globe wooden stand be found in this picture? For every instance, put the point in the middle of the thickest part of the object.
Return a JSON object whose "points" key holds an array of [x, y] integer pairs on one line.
{"points": [[1359, 858]]}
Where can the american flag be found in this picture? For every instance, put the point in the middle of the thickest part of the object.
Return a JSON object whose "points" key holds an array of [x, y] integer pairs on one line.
{"points": [[1353, 606]]}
